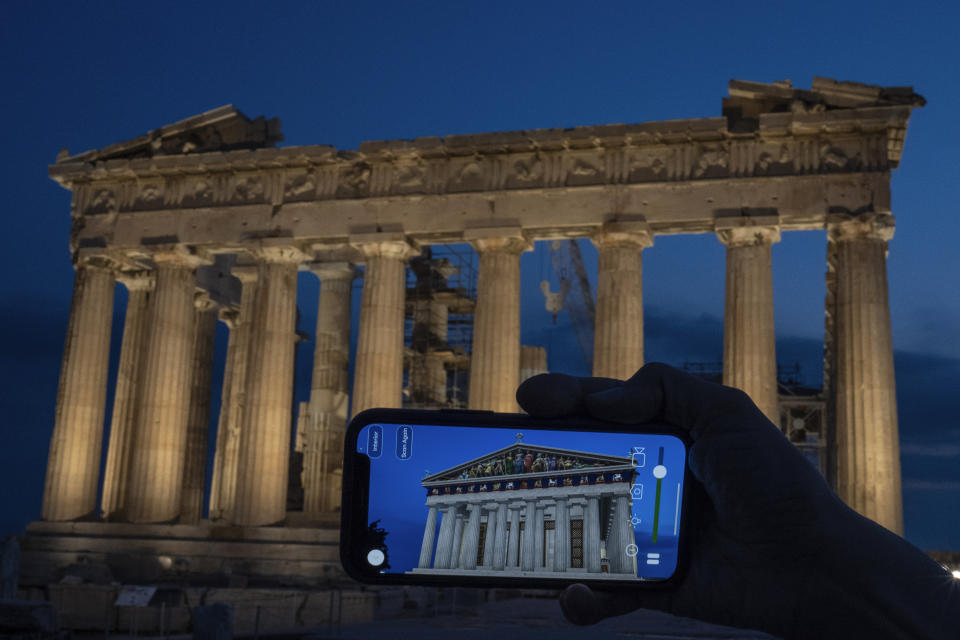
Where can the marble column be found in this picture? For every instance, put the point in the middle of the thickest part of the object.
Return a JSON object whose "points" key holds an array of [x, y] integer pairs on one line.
{"points": [[378, 374], [561, 537], [749, 349], [457, 541], [513, 550], [618, 333], [500, 538], [445, 541], [538, 538], [139, 287], [490, 536], [868, 450], [625, 535], [495, 360], [533, 362], [327, 416], [426, 548], [226, 457], [73, 467], [198, 423], [591, 535], [529, 535], [155, 482], [471, 539], [264, 457]]}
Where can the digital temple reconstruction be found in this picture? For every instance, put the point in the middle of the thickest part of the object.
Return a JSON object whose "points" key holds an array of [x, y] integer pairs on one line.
{"points": [[206, 220], [527, 508]]}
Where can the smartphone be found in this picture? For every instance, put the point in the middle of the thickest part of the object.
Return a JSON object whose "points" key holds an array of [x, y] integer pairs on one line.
{"points": [[476, 498]]}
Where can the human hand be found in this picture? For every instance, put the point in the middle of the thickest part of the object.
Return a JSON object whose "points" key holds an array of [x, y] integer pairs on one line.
{"points": [[774, 549]]}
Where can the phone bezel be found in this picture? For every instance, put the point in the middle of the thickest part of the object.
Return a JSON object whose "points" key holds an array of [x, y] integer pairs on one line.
{"points": [[355, 495]]}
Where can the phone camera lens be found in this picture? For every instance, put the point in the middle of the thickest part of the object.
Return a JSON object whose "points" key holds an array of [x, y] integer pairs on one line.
{"points": [[375, 557]]}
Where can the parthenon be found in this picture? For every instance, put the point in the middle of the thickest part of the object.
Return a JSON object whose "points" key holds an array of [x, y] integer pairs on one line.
{"points": [[207, 220]]}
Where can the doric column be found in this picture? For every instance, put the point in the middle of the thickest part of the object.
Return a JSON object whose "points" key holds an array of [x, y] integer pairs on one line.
{"points": [[490, 535], [261, 497], [495, 360], [160, 441], [445, 542], [868, 449], [529, 535], [561, 536], [139, 288], [327, 418], [591, 535], [500, 538], [622, 515], [513, 550], [749, 350], [73, 467], [618, 333], [457, 541], [538, 538], [198, 423], [533, 362], [378, 374], [223, 489], [471, 539], [426, 548]]}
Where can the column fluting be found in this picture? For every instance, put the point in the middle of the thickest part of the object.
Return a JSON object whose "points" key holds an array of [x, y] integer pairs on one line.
{"points": [[378, 374], [538, 539], [490, 536], [513, 551], [868, 448], [264, 457], [457, 541], [500, 538], [123, 422], [561, 536], [155, 484], [73, 467], [445, 542], [623, 515], [426, 548], [591, 535], [529, 535], [749, 348], [495, 359], [618, 333], [198, 423], [471, 539]]}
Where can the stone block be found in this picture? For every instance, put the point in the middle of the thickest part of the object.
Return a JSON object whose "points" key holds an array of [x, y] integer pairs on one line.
{"points": [[213, 622], [84, 606], [260, 609], [175, 619]]}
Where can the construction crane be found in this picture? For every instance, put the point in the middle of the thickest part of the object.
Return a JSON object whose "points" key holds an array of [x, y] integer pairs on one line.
{"points": [[574, 292]]}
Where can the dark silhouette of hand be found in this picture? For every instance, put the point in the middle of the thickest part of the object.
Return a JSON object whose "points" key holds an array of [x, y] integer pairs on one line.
{"points": [[773, 548]]}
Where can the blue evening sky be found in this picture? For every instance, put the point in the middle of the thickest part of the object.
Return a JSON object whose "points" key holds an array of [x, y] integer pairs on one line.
{"points": [[85, 75]]}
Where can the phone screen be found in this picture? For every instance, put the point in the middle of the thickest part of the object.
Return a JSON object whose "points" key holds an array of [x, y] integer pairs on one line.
{"points": [[498, 502]]}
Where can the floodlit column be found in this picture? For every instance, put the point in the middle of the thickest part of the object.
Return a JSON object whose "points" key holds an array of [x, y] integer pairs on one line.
{"points": [[513, 550], [457, 541], [198, 424], [495, 361], [327, 418], [223, 488], [378, 374], [73, 467], [622, 514], [500, 538], [155, 482], [591, 535], [261, 497], [426, 548], [533, 362], [490, 537], [613, 547], [445, 542], [471, 539], [538, 535], [749, 349], [868, 450], [561, 544], [529, 536], [139, 287], [618, 333]]}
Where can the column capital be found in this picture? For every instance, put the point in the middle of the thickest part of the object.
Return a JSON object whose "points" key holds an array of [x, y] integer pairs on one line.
{"points": [[385, 245], [203, 302], [871, 226], [229, 316], [178, 255], [747, 231], [94, 258], [509, 240], [280, 251], [627, 234], [137, 280], [245, 273], [331, 270]]}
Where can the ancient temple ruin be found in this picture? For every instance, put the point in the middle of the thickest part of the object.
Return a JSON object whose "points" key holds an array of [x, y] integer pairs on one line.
{"points": [[207, 220]]}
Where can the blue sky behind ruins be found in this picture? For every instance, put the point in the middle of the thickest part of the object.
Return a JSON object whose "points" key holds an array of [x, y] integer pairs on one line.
{"points": [[87, 75]]}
